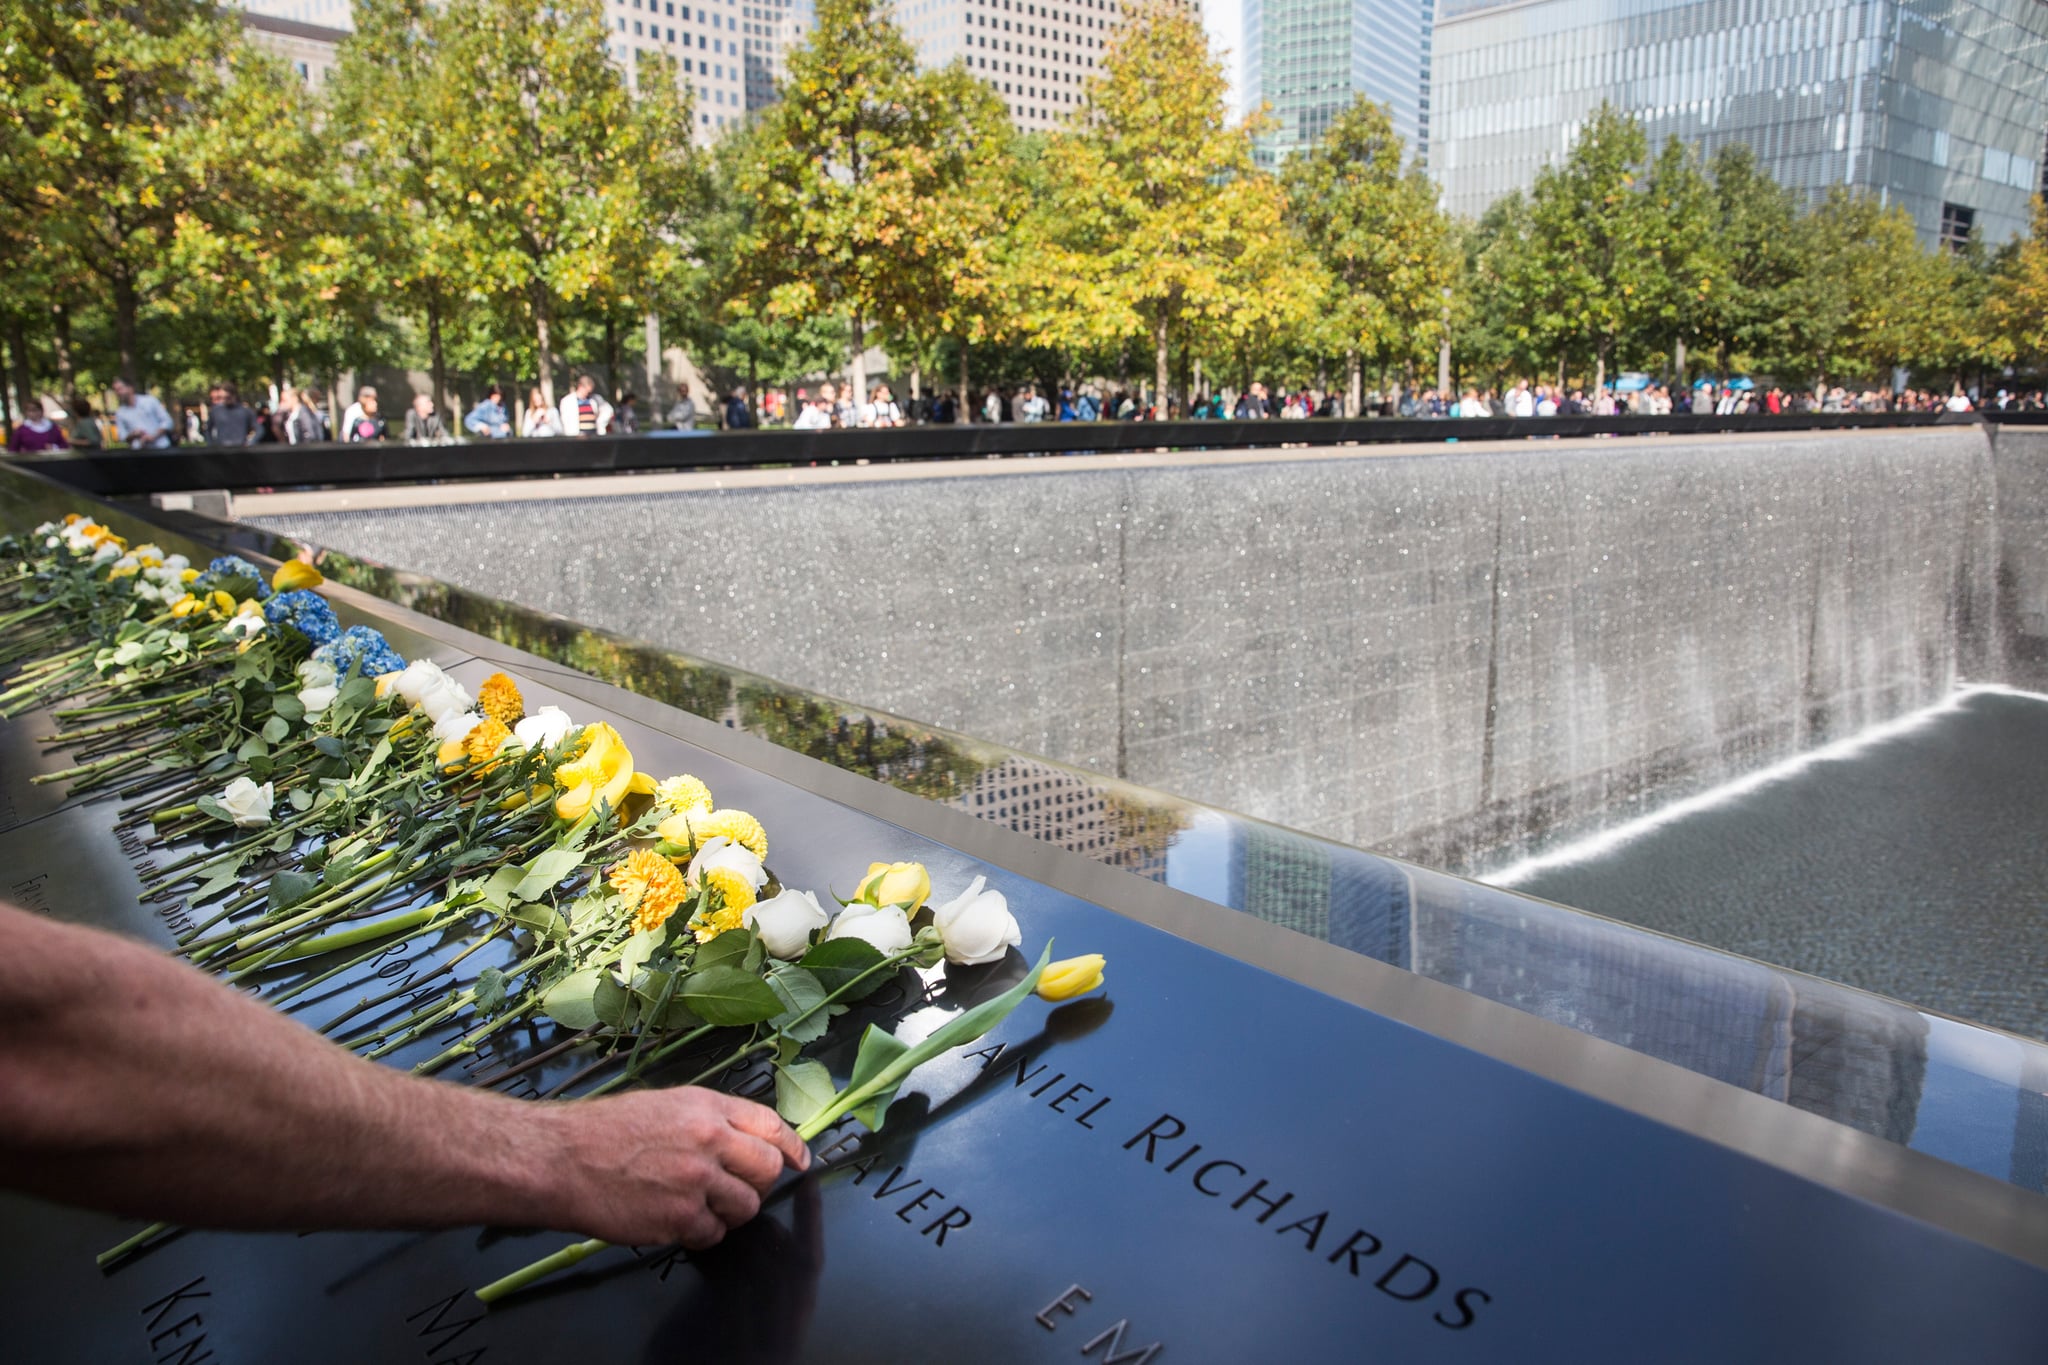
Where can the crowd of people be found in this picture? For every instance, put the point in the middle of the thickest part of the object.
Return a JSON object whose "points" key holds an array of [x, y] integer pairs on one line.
{"points": [[289, 415]]}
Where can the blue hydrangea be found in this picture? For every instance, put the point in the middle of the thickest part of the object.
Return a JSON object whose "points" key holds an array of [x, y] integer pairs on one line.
{"points": [[233, 566], [307, 611], [363, 649]]}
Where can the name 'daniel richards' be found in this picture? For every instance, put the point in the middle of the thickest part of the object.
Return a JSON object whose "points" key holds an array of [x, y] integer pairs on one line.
{"points": [[1165, 1144]]}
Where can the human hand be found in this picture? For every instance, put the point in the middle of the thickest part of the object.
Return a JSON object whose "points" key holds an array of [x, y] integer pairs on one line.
{"points": [[661, 1166]]}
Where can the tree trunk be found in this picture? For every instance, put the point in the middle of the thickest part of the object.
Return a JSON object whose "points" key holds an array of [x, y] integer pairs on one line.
{"points": [[1560, 373], [1159, 358], [1200, 392], [541, 339], [1443, 365], [1354, 400], [435, 358], [916, 385], [859, 369], [17, 359], [754, 387], [1599, 369], [6, 403], [653, 325], [60, 341], [1678, 360], [611, 354], [125, 309], [963, 410]]}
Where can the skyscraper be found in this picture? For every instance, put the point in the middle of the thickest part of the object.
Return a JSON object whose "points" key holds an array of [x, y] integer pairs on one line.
{"points": [[1308, 59], [1936, 105]]}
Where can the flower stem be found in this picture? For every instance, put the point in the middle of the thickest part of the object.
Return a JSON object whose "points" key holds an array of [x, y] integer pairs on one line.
{"points": [[573, 1254]]}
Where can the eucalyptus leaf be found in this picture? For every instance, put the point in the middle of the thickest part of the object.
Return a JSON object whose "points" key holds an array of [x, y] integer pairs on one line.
{"points": [[329, 745], [276, 728], [288, 707], [289, 888]]}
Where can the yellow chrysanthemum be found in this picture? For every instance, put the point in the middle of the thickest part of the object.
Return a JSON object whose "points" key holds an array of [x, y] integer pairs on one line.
{"points": [[482, 743], [689, 829], [683, 793], [731, 896], [649, 885], [736, 825], [499, 699]]}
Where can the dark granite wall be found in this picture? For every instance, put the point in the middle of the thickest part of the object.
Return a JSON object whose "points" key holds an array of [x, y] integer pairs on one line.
{"points": [[1439, 653]]}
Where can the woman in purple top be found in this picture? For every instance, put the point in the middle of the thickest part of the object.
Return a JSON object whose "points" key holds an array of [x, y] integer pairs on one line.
{"points": [[35, 433]]}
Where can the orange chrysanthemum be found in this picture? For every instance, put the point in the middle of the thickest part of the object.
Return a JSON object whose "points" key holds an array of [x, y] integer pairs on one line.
{"points": [[482, 742], [650, 886], [499, 699]]}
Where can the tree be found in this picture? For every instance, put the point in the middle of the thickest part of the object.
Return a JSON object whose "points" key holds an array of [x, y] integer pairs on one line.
{"points": [[2016, 308], [1378, 232], [859, 165], [1684, 254], [122, 133], [1159, 220], [1757, 245], [1590, 271], [1863, 278], [574, 183]]}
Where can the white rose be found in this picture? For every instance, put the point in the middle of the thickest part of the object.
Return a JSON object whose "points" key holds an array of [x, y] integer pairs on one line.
{"points": [[456, 726], [786, 922], [106, 552], [976, 925], [176, 566], [248, 803], [446, 698], [317, 699], [317, 673], [885, 927], [544, 729], [240, 627], [723, 852], [420, 677]]}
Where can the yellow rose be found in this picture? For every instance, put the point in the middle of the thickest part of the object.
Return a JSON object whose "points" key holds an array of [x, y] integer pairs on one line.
{"points": [[904, 884], [186, 605], [294, 574], [1069, 977]]}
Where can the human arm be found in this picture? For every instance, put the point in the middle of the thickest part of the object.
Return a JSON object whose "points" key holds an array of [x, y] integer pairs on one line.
{"points": [[136, 1084]]}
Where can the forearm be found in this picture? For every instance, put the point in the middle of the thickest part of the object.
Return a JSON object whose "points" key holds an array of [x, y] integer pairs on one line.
{"points": [[134, 1083]]}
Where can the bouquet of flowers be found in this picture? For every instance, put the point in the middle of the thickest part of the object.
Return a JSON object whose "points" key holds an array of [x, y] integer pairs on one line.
{"points": [[313, 800]]}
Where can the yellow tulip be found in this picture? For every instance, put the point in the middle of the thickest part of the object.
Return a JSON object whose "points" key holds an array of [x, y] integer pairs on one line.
{"points": [[450, 754], [1069, 977], [294, 574], [643, 784], [603, 770], [221, 602], [186, 605], [387, 681], [904, 884]]}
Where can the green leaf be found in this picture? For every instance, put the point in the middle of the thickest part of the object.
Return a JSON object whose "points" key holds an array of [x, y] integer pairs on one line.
{"points": [[637, 949], [226, 875], [276, 728], [802, 1089], [545, 871], [490, 991], [799, 992], [583, 999], [300, 798], [544, 920], [649, 989], [287, 707], [251, 748], [289, 888], [329, 745], [211, 806], [729, 949], [878, 1051], [728, 997], [371, 764], [837, 961]]}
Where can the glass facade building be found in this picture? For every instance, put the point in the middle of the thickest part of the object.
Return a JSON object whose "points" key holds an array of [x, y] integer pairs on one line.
{"points": [[1936, 105], [1307, 59]]}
